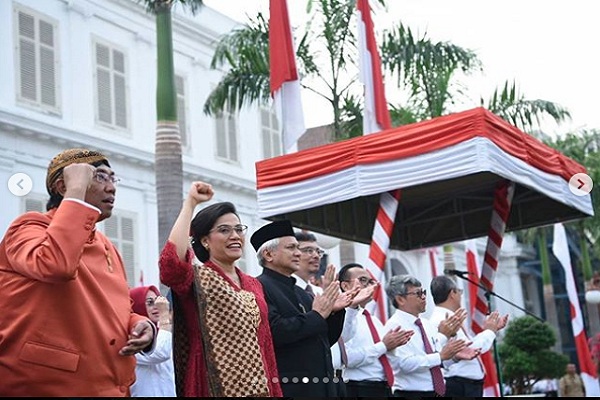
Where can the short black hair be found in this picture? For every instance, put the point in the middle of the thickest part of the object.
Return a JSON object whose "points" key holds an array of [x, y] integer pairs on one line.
{"points": [[204, 221], [305, 237], [344, 271]]}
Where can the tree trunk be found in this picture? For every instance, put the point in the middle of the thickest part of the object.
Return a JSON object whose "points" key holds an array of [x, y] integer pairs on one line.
{"points": [[168, 160]]}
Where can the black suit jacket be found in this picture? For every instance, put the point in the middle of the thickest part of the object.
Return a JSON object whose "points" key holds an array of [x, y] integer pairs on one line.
{"points": [[302, 338]]}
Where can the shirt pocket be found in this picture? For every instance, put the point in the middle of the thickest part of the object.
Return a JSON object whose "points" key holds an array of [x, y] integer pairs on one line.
{"points": [[49, 356]]}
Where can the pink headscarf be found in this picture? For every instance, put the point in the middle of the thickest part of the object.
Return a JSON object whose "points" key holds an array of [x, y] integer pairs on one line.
{"points": [[138, 295]]}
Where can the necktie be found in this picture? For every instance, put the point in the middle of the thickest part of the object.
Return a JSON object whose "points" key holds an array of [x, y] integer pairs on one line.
{"points": [[436, 372], [385, 363], [310, 291]]}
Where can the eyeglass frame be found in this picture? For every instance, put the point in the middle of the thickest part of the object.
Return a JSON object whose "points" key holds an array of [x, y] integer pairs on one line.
{"points": [[419, 293], [366, 281], [104, 177], [311, 251], [227, 230]]}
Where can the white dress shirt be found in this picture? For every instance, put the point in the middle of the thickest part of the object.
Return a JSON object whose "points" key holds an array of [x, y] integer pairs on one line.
{"points": [[411, 370], [155, 376], [470, 369], [303, 284], [363, 354]]}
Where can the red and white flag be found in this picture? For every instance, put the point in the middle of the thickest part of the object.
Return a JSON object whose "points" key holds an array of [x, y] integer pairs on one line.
{"points": [[285, 84], [560, 248], [376, 114], [376, 118]]}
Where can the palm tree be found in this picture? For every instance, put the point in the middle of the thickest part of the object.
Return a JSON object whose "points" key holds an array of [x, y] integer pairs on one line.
{"points": [[245, 53], [168, 165]]}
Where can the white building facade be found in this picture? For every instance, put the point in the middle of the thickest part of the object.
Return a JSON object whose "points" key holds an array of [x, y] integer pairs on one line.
{"points": [[82, 73]]}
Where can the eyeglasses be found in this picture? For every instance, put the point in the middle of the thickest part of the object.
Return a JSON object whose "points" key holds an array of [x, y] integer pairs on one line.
{"points": [[457, 290], [150, 302], [104, 178], [311, 251], [367, 281], [418, 293], [226, 230]]}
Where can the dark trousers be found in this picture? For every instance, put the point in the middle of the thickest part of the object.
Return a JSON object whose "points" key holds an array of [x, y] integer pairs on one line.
{"points": [[414, 393], [463, 387], [367, 389]]}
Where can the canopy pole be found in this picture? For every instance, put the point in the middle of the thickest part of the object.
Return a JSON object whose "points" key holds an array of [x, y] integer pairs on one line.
{"points": [[503, 196], [380, 243]]}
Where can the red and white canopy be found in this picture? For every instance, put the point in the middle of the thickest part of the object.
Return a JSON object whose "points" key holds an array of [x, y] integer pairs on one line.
{"points": [[447, 169]]}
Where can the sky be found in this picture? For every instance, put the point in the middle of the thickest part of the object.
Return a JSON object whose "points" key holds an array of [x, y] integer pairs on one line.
{"points": [[549, 48]]}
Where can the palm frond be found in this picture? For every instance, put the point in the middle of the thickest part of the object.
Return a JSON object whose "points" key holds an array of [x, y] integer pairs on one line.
{"points": [[153, 6]]}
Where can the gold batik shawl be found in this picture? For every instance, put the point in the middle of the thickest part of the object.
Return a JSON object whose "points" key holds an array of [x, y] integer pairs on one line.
{"points": [[229, 322]]}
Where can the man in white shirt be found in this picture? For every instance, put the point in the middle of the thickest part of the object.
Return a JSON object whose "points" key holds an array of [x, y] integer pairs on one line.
{"points": [[464, 378], [310, 261], [420, 360], [370, 358]]}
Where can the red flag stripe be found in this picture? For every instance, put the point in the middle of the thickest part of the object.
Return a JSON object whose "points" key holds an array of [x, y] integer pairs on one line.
{"points": [[281, 50], [381, 111]]}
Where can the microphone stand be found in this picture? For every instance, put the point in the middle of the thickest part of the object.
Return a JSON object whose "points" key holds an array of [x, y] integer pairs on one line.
{"points": [[488, 296]]}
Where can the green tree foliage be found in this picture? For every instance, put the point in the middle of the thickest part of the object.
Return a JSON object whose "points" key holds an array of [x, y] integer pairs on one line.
{"points": [[525, 354], [584, 147]]}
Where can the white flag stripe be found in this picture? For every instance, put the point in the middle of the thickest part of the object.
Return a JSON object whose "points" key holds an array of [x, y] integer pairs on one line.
{"points": [[365, 75], [560, 248]]}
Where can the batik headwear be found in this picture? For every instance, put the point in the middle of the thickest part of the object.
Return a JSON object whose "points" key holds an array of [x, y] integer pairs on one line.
{"points": [[138, 296], [270, 231], [68, 157]]}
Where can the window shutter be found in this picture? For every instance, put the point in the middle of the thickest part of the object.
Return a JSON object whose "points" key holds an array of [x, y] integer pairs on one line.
{"points": [[127, 229], [270, 133], [37, 63], [103, 84], [47, 70], [111, 227], [120, 91], [27, 56], [266, 134], [233, 150], [221, 137], [121, 231], [34, 205], [111, 86]]}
